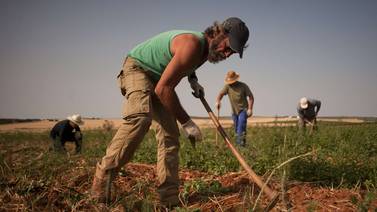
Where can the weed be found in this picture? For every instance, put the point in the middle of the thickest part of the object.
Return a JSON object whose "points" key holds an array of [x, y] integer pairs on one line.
{"points": [[345, 156], [312, 206], [364, 204]]}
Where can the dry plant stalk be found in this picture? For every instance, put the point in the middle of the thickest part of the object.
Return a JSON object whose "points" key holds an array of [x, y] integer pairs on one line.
{"points": [[276, 168]]}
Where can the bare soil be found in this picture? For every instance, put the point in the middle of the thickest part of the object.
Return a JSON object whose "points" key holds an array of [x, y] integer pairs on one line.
{"points": [[140, 180], [241, 192]]}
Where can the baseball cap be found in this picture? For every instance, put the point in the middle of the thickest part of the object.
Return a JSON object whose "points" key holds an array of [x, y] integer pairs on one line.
{"points": [[238, 34]]}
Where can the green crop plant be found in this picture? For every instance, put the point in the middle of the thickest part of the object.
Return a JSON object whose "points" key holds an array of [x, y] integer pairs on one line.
{"points": [[342, 155]]}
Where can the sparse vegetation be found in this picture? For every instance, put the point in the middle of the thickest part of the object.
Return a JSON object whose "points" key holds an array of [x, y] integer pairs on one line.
{"points": [[108, 125], [344, 157]]}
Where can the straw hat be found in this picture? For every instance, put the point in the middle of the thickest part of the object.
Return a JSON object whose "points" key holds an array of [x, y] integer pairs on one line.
{"points": [[76, 118], [231, 77], [304, 103]]}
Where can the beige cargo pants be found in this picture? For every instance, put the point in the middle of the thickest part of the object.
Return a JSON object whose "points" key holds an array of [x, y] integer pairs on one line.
{"points": [[143, 106]]}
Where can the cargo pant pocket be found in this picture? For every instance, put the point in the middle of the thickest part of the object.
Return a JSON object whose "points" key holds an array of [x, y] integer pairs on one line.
{"points": [[132, 77], [121, 84], [138, 102], [137, 87]]}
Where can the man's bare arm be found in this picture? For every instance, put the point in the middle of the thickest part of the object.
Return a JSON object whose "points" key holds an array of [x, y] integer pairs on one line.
{"points": [[220, 97], [250, 101], [186, 51]]}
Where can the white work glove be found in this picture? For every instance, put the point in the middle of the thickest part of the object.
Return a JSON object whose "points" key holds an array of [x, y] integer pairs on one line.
{"points": [[217, 105], [249, 112], [197, 88], [192, 131]]}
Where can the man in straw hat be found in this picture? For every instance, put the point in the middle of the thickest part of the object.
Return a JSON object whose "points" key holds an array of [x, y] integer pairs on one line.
{"points": [[150, 73], [67, 130], [241, 100], [307, 110]]}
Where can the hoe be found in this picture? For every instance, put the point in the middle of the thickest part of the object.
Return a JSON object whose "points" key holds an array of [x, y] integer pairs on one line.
{"points": [[272, 194]]}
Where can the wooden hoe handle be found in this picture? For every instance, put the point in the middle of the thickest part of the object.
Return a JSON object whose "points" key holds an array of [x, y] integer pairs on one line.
{"points": [[272, 195]]}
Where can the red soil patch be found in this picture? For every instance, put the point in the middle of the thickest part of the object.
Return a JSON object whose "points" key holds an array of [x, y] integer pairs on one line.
{"points": [[241, 193]]}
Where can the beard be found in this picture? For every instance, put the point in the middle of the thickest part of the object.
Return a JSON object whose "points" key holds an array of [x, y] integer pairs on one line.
{"points": [[213, 55]]}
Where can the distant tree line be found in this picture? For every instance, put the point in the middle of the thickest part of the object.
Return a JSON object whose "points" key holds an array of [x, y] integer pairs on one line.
{"points": [[12, 121]]}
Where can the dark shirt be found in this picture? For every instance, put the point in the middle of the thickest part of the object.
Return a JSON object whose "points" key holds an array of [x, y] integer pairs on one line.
{"points": [[311, 111], [64, 131], [238, 93]]}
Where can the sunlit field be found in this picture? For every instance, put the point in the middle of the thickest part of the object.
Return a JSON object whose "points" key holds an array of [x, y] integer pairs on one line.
{"points": [[338, 158]]}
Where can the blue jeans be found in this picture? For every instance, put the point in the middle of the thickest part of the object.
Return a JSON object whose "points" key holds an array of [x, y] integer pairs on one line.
{"points": [[240, 122]]}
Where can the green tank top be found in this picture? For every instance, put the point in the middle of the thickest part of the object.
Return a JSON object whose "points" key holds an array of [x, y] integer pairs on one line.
{"points": [[154, 54]]}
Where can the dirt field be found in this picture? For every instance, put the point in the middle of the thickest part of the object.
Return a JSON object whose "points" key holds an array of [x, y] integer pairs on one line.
{"points": [[240, 190], [298, 196]]}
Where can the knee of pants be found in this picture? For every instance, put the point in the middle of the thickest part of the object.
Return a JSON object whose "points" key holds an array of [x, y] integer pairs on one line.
{"points": [[169, 143], [141, 120], [138, 126], [126, 141], [167, 135]]}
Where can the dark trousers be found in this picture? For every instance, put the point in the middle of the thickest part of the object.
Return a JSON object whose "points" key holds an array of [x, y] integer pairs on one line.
{"points": [[312, 121], [58, 144]]}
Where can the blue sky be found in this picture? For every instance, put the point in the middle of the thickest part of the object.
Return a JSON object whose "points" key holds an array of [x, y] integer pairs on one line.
{"points": [[61, 57]]}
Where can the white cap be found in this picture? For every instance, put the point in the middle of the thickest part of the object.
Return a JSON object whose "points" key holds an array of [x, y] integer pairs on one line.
{"points": [[304, 103], [76, 118]]}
